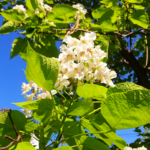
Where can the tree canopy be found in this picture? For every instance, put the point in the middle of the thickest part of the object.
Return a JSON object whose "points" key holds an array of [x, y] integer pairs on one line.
{"points": [[96, 83]]}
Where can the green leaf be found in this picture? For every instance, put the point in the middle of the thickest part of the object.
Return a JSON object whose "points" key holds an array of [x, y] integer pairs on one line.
{"points": [[40, 69], [30, 32], [81, 107], [7, 27], [46, 46], [134, 1], [100, 123], [99, 12], [31, 126], [41, 105], [63, 148], [113, 47], [32, 4], [139, 17], [92, 91], [25, 146], [42, 108], [71, 128], [87, 124], [61, 15], [17, 117], [64, 10], [103, 40], [102, 13], [18, 46], [14, 15], [117, 13], [105, 26], [127, 106], [109, 3], [92, 143], [123, 87], [139, 7], [6, 127]]}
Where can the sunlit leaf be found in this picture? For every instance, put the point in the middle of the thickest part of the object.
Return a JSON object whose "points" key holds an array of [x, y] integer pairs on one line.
{"points": [[92, 91], [40, 69], [14, 15]]}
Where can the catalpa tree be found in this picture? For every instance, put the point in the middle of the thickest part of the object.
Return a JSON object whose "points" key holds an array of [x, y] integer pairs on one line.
{"points": [[97, 82]]}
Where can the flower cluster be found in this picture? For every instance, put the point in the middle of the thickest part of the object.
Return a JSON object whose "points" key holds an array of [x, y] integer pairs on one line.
{"points": [[21, 7], [36, 92], [80, 8], [45, 6], [81, 59], [139, 148]]}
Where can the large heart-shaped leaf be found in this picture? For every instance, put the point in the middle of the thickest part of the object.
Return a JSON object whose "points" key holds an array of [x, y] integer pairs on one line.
{"points": [[127, 106], [40, 69]]}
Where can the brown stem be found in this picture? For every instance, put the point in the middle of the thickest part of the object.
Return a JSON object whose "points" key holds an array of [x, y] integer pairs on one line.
{"points": [[130, 41], [8, 137], [50, 145], [146, 40]]}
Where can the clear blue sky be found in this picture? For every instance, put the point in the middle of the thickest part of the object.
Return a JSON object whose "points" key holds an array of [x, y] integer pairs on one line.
{"points": [[12, 76]]}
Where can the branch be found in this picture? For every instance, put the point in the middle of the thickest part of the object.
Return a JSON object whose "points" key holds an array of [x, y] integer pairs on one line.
{"points": [[139, 70], [49, 145], [69, 29], [130, 41], [146, 40], [104, 33], [134, 32], [8, 137]]}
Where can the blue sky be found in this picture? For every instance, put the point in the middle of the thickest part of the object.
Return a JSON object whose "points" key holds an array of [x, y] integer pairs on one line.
{"points": [[12, 76]]}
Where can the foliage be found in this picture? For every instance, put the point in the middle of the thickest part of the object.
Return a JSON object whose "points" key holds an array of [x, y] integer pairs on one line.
{"points": [[84, 116]]}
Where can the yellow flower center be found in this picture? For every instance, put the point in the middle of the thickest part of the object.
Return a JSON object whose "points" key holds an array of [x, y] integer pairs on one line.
{"points": [[69, 57], [109, 80], [82, 54], [83, 42]]}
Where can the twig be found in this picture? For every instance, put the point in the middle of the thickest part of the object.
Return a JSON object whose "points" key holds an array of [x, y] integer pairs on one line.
{"points": [[49, 145], [134, 32], [75, 26], [146, 63], [8, 137], [130, 41]]}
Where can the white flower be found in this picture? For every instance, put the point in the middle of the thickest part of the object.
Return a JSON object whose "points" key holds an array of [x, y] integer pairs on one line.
{"points": [[69, 55], [27, 112], [139, 148], [88, 39], [142, 148], [37, 11], [34, 141], [53, 92], [127, 148], [21, 7], [71, 42], [44, 95], [30, 97], [25, 88], [63, 47], [35, 87], [47, 8], [40, 2], [80, 8], [80, 59]]}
